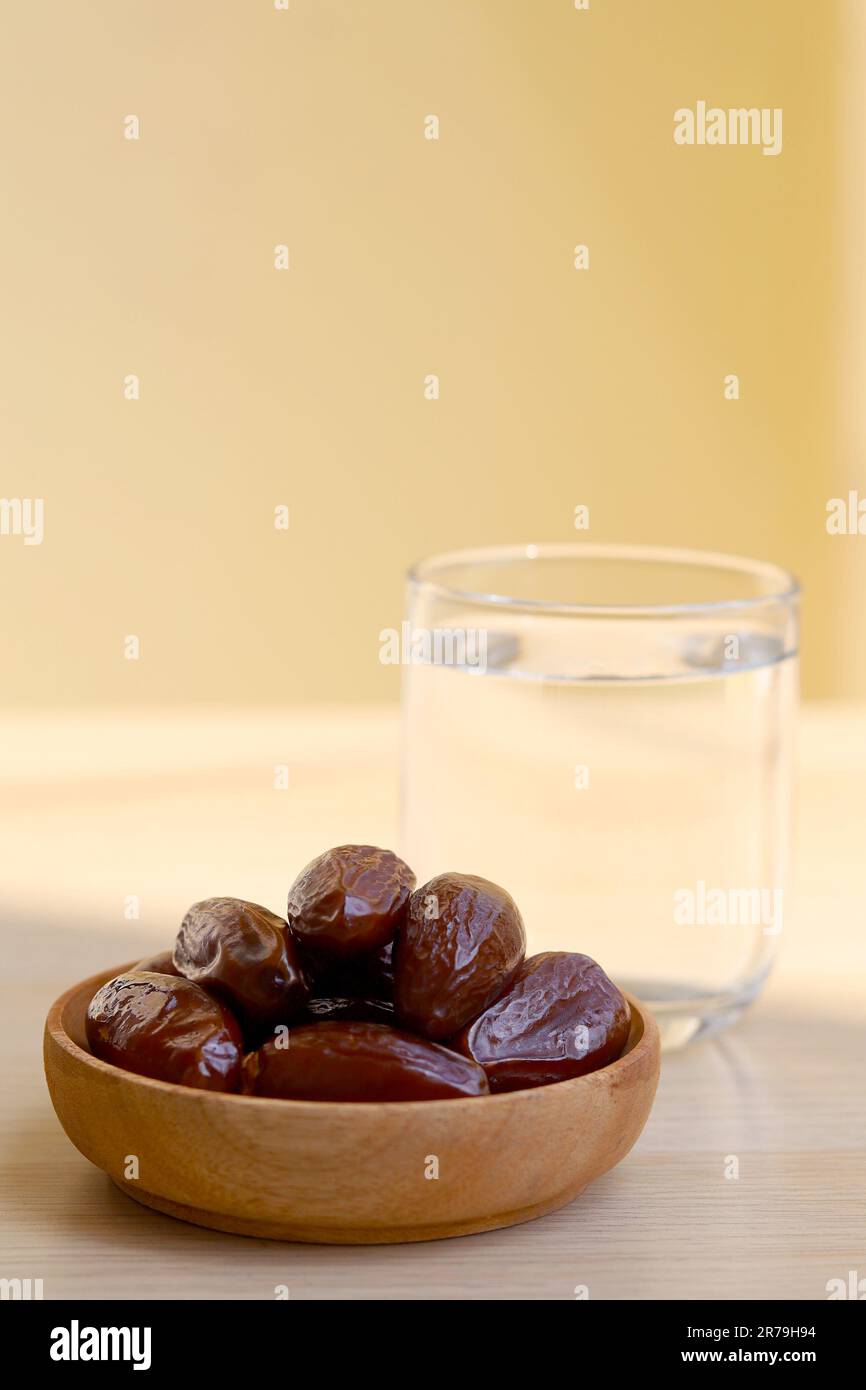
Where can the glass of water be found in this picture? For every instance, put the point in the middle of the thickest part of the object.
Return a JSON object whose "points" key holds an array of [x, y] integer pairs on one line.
{"points": [[607, 732]]}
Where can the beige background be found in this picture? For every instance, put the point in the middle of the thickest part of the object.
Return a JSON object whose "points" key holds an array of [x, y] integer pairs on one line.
{"points": [[408, 257]]}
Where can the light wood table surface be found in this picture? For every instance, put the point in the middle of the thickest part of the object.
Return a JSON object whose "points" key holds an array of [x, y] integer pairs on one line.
{"points": [[97, 810]]}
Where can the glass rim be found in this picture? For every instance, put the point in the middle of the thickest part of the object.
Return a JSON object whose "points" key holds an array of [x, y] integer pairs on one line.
{"points": [[785, 587]]}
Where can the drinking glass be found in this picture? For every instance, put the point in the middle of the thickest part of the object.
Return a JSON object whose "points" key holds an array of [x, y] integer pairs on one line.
{"points": [[606, 731]]}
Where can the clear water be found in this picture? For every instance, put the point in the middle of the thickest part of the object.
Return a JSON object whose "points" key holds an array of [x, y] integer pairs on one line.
{"points": [[596, 800]]}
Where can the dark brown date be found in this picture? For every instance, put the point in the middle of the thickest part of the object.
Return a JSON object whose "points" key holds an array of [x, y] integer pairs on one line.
{"points": [[561, 1017], [350, 901], [166, 1028], [342, 1009], [358, 1062], [247, 956], [161, 964], [461, 947]]}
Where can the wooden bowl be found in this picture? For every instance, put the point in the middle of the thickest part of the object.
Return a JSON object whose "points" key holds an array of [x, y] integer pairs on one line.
{"points": [[341, 1173]]}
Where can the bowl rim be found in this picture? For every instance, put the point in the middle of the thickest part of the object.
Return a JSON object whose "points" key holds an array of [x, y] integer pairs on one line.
{"points": [[647, 1043]]}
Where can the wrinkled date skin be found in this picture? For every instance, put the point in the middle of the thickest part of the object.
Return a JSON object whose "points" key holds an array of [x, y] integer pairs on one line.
{"points": [[161, 964], [349, 901], [166, 1028], [561, 1017], [343, 1009], [247, 956], [461, 947], [357, 1062]]}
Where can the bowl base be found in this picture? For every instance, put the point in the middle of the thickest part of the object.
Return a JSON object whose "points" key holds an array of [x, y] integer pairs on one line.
{"points": [[338, 1235]]}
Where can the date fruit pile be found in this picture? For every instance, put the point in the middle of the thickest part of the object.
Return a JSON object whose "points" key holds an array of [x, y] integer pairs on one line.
{"points": [[369, 989]]}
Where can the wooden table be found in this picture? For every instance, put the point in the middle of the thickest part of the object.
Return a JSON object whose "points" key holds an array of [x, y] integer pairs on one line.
{"points": [[99, 811]]}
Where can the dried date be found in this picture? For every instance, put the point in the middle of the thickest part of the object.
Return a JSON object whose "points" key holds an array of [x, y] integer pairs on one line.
{"points": [[350, 901], [461, 947], [166, 1028], [247, 956], [359, 1062], [561, 1017]]}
